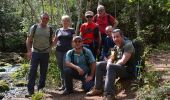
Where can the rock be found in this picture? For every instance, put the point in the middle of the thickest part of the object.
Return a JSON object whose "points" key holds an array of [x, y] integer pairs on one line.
{"points": [[20, 83], [1, 96], [2, 69], [3, 86]]}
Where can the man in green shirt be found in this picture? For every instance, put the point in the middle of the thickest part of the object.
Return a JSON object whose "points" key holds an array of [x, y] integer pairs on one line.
{"points": [[116, 66]]}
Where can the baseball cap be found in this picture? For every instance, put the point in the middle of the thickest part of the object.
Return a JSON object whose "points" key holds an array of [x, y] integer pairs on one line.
{"points": [[77, 38], [89, 13]]}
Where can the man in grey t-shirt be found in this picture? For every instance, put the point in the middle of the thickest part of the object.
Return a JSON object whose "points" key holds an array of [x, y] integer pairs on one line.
{"points": [[38, 48], [121, 57]]}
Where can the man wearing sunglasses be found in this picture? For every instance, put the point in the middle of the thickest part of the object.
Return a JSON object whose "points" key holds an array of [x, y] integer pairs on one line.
{"points": [[117, 65], [80, 64], [90, 34], [39, 42]]}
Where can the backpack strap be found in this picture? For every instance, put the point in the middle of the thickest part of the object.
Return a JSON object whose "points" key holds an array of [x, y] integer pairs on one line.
{"points": [[51, 33], [108, 19], [34, 29], [85, 55]]}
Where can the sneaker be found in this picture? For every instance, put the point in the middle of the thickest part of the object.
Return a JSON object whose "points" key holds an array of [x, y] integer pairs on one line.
{"points": [[109, 97], [94, 92], [28, 95]]}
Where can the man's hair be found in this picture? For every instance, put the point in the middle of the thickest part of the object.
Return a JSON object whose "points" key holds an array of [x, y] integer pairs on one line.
{"points": [[44, 14], [108, 27], [100, 7], [119, 31]]}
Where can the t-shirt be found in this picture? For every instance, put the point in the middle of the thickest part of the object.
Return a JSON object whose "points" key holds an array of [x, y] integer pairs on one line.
{"points": [[64, 39], [127, 47], [88, 32], [80, 60], [40, 38], [103, 22]]}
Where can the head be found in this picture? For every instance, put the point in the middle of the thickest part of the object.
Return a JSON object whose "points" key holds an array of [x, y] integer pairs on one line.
{"points": [[118, 37], [109, 30], [100, 10], [65, 20], [44, 18], [89, 16], [77, 42]]}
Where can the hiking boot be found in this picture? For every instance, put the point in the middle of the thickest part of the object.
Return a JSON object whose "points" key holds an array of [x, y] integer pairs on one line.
{"points": [[94, 92], [109, 97], [65, 92]]}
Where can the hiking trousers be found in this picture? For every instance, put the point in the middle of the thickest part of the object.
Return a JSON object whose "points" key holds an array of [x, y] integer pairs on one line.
{"points": [[111, 71], [42, 60], [70, 74], [60, 56]]}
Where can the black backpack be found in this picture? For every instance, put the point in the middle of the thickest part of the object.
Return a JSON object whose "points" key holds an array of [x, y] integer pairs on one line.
{"points": [[138, 57]]}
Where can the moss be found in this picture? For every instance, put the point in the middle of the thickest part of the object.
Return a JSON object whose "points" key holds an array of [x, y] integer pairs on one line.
{"points": [[1, 96], [3, 86], [38, 96], [20, 83]]}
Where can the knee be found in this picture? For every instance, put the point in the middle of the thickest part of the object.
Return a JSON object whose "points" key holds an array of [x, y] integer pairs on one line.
{"points": [[67, 71]]}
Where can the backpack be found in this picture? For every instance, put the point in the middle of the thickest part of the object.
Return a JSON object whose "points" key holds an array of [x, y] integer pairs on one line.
{"points": [[138, 60], [84, 53], [108, 19], [51, 32]]}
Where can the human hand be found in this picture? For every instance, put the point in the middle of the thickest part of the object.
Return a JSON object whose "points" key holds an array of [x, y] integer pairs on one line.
{"points": [[80, 71], [29, 55], [89, 78]]}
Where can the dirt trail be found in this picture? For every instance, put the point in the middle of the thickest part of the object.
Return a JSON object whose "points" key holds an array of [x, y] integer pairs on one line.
{"points": [[159, 60]]}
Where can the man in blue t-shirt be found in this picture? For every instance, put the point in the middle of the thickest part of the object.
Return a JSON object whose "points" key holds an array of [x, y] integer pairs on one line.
{"points": [[81, 65]]}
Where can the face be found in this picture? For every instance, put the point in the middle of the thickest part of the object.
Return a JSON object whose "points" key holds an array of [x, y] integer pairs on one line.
{"points": [[89, 18], [117, 38], [101, 12], [44, 19], [109, 32], [77, 44], [66, 22]]}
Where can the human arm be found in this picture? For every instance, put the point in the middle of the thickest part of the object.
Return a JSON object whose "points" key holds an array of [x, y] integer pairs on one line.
{"points": [[114, 22], [92, 73], [72, 65]]}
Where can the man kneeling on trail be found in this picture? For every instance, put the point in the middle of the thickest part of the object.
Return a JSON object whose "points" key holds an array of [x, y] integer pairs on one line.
{"points": [[80, 64], [116, 66]]}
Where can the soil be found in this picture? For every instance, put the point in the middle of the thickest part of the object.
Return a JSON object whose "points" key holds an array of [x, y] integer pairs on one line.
{"points": [[159, 60]]}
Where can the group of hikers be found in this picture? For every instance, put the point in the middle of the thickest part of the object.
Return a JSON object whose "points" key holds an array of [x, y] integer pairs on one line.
{"points": [[99, 50]]}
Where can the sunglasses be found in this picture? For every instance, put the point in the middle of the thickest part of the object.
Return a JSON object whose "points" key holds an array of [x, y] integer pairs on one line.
{"points": [[78, 41], [89, 16]]}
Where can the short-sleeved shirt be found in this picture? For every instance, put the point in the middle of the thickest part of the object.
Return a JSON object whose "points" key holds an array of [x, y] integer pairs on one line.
{"points": [[88, 32], [40, 38], [127, 47], [103, 22], [64, 39], [108, 44], [80, 60]]}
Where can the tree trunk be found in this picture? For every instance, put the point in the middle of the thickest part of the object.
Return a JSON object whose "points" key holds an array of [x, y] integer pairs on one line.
{"points": [[32, 11], [79, 11]]}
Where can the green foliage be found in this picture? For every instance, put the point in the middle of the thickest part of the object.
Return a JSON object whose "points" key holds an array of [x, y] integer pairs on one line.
{"points": [[22, 72], [53, 76], [38, 96], [3, 86]]}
